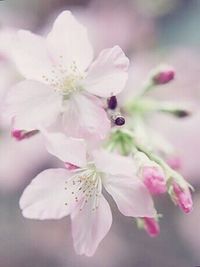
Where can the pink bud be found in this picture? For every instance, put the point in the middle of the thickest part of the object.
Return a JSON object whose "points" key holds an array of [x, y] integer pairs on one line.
{"points": [[182, 197], [70, 166], [151, 226], [21, 134], [154, 179], [163, 77], [174, 162]]}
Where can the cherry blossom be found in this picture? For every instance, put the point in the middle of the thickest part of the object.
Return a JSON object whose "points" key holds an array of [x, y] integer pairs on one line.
{"points": [[56, 193], [61, 81]]}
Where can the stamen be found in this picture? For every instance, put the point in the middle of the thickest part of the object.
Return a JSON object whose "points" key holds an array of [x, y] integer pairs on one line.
{"points": [[86, 187], [64, 80]]}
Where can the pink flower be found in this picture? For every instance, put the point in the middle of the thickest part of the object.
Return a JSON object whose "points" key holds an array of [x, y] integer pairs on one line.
{"points": [[56, 193], [154, 179], [62, 82], [151, 226], [182, 197]]}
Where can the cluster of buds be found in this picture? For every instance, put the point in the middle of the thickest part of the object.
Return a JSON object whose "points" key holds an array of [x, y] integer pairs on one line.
{"points": [[158, 177]]}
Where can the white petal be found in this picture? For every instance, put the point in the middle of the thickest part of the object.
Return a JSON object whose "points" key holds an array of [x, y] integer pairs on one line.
{"points": [[130, 195], [68, 42], [32, 104], [89, 226], [114, 164], [67, 149], [46, 197], [84, 118], [108, 74], [30, 55]]}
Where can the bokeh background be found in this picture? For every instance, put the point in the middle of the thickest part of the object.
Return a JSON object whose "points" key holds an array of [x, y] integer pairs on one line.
{"points": [[150, 32]]}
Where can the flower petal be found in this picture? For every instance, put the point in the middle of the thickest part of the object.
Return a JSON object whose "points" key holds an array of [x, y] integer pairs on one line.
{"points": [[114, 164], [68, 42], [67, 149], [46, 197], [108, 74], [89, 226], [84, 118], [130, 195], [31, 56], [31, 104]]}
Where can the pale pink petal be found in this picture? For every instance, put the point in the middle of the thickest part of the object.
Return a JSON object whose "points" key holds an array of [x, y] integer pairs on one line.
{"points": [[7, 37], [46, 197], [113, 163], [68, 42], [130, 195], [90, 226], [30, 55], [68, 149], [108, 74], [83, 118], [32, 104]]}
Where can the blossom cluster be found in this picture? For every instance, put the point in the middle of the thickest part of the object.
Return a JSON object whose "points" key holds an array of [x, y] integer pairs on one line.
{"points": [[74, 100]]}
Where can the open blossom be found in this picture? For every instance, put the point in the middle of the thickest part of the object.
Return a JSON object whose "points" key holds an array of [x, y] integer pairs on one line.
{"points": [[62, 83], [56, 193]]}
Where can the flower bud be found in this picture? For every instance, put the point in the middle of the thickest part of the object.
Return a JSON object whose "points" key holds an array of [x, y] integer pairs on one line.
{"points": [[154, 179], [182, 197], [119, 121], [181, 113], [151, 226], [21, 134], [112, 102], [150, 173], [163, 75], [174, 162]]}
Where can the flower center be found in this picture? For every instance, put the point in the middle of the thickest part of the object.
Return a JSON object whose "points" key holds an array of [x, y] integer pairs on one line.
{"points": [[85, 188], [65, 80]]}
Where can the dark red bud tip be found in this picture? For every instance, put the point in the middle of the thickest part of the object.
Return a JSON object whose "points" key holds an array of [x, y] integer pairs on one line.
{"points": [[119, 121], [21, 134], [112, 102], [181, 113], [164, 77]]}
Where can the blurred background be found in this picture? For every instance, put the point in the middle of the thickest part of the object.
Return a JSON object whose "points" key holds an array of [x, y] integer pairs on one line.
{"points": [[150, 32]]}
